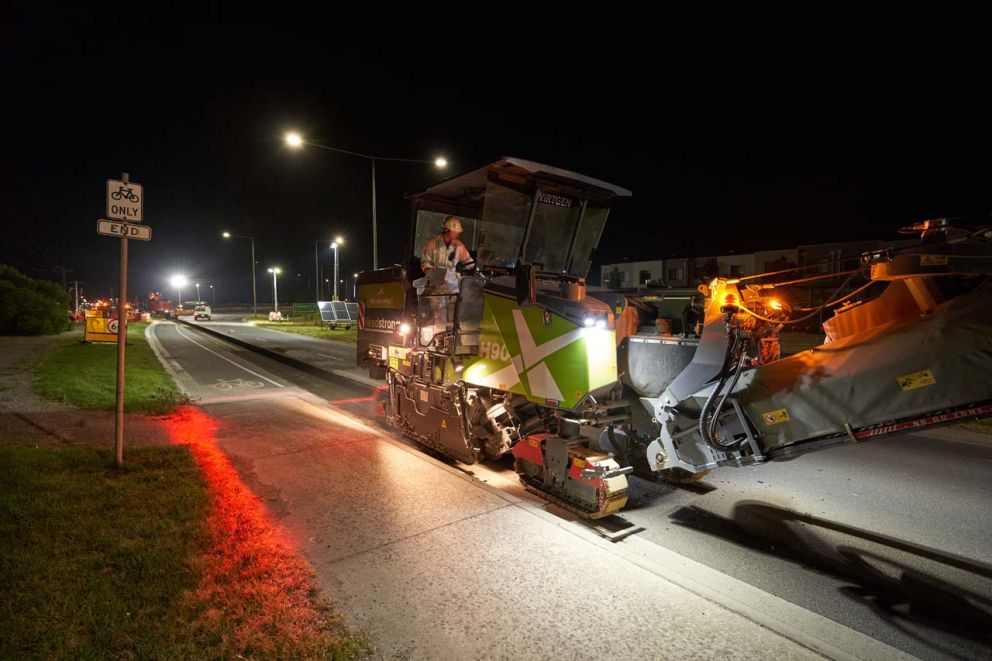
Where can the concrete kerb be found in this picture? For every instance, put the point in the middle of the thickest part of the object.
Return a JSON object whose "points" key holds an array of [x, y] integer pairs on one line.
{"points": [[331, 376]]}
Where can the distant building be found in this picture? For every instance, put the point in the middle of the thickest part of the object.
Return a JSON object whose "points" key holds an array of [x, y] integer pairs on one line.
{"points": [[690, 271], [836, 260]]}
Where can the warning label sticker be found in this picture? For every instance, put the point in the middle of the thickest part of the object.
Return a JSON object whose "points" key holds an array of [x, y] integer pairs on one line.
{"points": [[916, 380], [775, 417]]}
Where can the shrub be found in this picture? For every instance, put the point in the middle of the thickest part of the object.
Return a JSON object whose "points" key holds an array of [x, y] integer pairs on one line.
{"points": [[29, 306]]}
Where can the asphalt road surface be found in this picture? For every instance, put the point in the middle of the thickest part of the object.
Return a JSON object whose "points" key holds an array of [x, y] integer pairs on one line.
{"points": [[891, 538]]}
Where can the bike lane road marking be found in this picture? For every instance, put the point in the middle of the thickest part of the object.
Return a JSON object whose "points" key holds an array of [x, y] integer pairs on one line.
{"points": [[178, 330]]}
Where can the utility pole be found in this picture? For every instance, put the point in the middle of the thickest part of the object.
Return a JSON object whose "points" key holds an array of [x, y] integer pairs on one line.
{"points": [[75, 289]]}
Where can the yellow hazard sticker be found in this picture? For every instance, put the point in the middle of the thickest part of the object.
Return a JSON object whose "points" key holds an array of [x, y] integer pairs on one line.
{"points": [[775, 417], [444, 423], [578, 463], [534, 443], [916, 380], [933, 260]]}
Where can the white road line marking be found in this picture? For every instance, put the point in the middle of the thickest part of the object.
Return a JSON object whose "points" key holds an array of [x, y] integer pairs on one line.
{"points": [[326, 356], [181, 377], [278, 385]]}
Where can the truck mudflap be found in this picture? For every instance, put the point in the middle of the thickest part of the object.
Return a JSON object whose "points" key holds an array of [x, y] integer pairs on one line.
{"points": [[584, 481]]}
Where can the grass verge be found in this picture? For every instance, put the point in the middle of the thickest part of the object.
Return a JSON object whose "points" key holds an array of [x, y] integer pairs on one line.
{"points": [[85, 375], [308, 327], [94, 561], [169, 558]]}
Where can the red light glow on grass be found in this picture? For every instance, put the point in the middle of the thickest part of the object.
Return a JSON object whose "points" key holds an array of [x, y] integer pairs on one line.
{"points": [[255, 589]]}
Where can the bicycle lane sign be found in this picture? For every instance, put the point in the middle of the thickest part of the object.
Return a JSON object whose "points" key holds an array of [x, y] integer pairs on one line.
{"points": [[125, 201]]}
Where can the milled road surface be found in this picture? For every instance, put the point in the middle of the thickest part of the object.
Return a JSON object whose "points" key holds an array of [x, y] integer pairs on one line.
{"points": [[891, 538]]}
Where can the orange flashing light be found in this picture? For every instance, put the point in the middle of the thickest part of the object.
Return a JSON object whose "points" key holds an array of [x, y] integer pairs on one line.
{"points": [[775, 304]]}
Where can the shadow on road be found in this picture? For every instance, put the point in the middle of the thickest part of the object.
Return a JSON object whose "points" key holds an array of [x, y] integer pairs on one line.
{"points": [[879, 568]]}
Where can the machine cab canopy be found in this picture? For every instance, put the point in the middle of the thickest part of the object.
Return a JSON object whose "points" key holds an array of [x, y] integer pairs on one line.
{"points": [[520, 212]]}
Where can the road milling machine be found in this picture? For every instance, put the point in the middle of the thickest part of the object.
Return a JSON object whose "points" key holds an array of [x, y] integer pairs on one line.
{"points": [[584, 386]]}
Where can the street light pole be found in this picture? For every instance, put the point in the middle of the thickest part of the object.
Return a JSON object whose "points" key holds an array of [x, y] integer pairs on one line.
{"points": [[275, 290], [334, 245], [375, 233], [213, 295], [178, 281], [254, 295], [295, 140], [197, 292]]}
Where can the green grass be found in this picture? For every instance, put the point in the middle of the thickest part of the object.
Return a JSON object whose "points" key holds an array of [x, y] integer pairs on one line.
{"points": [[94, 560], [85, 375], [308, 326]]}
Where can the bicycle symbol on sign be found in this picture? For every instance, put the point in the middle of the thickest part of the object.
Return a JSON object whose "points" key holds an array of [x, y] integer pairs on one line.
{"points": [[125, 193]]}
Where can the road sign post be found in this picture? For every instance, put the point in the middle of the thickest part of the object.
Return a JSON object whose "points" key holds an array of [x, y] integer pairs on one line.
{"points": [[125, 202], [121, 347]]}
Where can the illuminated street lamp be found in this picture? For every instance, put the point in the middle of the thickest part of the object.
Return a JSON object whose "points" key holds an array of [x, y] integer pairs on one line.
{"points": [[179, 281], [213, 295], [275, 290], [334, 246], [316, 261], [198, 292], [254, 297], [354, 287], [296, 141]]}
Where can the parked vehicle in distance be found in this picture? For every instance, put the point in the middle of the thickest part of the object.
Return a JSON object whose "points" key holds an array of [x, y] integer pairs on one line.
{"points": [[201, 312]]}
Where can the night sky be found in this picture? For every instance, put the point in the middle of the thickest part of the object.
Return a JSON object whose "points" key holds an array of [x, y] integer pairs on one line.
{"points": [[731, 139]]}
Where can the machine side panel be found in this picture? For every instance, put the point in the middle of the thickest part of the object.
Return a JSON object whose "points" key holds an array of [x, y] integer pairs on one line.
{"points": [[896, 371], [539, 354]]}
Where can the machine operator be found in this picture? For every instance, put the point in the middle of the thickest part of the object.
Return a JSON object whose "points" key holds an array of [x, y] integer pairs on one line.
{"points": [[444, 252]]}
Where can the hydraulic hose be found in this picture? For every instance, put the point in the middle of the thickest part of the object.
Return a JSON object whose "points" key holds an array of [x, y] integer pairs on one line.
{"points": [[715, 418], [728, 360]]}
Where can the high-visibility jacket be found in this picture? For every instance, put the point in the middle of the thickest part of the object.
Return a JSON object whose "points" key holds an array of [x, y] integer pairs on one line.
{"points": [[438, 255]]}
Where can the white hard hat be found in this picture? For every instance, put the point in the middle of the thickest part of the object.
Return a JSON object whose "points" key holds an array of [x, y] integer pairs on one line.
{"points": [[453, 224]]}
